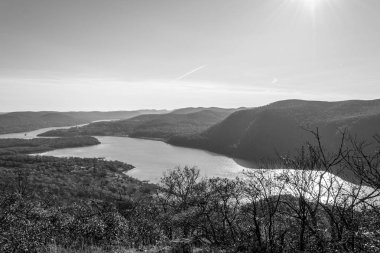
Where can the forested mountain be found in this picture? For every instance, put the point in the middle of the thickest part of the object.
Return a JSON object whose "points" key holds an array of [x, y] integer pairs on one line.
{"points": [[161, 126], [27, 121], [279, 128]]}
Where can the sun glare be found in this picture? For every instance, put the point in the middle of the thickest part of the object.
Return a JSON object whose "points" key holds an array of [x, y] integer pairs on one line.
{"points": [[312, 4]]}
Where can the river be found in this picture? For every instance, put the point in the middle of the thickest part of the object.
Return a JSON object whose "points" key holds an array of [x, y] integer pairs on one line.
{"points": [[150, 158], [153, 158]]}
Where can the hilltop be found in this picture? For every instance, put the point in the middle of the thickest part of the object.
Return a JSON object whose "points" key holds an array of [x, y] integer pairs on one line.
{"points": [[188, 110]]}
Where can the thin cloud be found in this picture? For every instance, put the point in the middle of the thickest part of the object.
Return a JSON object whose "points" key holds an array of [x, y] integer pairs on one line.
{"points": [[190, 72]]}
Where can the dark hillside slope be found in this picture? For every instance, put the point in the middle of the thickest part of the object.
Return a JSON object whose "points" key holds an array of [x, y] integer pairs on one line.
{"points": [[279, 128]]}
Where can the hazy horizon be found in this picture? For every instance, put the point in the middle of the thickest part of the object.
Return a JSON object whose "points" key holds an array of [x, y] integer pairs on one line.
{"points": [[95, 55], [176, 108]]}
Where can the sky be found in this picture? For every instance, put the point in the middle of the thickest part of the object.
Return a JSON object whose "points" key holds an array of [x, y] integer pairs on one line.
{"points": [[132, 54]]}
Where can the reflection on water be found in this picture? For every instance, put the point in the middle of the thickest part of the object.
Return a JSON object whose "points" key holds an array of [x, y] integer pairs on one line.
{"points": [[343, 173]]}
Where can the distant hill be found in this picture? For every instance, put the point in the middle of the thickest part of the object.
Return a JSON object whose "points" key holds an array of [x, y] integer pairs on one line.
{"points": [[27, 121], [161, 126], [169, 125], [112, 115], [188, 110], [279, 128]]}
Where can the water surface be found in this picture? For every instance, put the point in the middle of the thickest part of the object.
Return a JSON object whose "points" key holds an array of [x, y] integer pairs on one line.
{"points": [[152, 158]]}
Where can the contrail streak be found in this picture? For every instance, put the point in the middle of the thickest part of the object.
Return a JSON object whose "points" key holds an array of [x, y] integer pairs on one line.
{"points": [[190, 72]]}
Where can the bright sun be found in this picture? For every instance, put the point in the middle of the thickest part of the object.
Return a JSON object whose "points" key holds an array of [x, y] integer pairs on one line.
{"points": [[312, 4]]}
